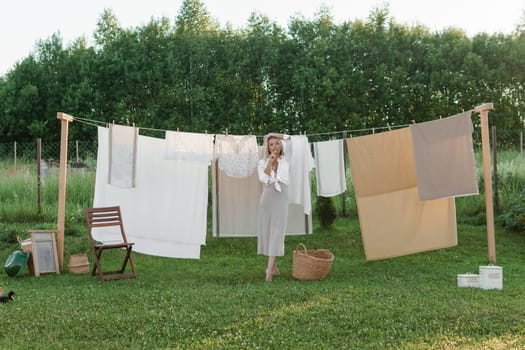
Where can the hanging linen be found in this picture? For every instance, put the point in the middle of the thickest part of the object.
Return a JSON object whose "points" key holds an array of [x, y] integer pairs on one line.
{"points": [[330, 168], [393, 220], [301, 164], [189, 146], [166, 213], [237, 156], [122, 155], [444, 157], [236, 207]]}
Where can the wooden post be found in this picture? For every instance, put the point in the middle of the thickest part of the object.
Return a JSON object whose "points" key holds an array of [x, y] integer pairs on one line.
{"points": [[15, 157], [39, 175], [64, 119], [489, 209], [495, 167], [76, 144]]}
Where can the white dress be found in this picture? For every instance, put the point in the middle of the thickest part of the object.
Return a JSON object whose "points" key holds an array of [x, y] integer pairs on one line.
{"points": [[273, 207]]}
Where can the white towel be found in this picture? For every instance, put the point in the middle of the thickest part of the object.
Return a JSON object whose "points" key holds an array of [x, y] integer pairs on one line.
{"points": [[330, 168], [122, 155], [189, 146], [301, 163]]}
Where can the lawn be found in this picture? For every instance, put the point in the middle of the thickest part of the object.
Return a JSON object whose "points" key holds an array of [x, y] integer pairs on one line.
{"points": [[222, 302]]}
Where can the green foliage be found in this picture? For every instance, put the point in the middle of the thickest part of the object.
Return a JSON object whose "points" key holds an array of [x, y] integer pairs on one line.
{"points": [[514, 217], [314, 76], [326, 213]]}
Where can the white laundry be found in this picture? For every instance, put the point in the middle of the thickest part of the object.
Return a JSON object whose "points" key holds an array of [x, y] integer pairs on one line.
{"points": [[122, 155], [189, 146], [237, 156], [330, 168], [301, 163], [166, 213]]}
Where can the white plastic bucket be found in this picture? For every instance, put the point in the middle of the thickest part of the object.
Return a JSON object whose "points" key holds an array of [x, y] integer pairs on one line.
{"points": [[468, 280], [491, 277]]}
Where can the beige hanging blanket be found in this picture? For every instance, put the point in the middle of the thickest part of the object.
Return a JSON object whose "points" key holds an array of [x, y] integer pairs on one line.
{"points": [[394, 221], [444, 157]]}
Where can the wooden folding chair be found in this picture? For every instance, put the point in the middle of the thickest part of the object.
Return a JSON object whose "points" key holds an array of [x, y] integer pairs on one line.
{"points": [[107, 217]]}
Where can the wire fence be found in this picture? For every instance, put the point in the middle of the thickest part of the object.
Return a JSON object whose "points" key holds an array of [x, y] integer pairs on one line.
{"points": [[82, 152], [79, 152]]}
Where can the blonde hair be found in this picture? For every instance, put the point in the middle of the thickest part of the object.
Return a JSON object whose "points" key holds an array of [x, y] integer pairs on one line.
{"points": [[266, 146]]}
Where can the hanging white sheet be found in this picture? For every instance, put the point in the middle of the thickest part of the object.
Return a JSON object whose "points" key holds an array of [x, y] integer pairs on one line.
{"points": [[122, 155], [444, 157], [165, 214], [301, 164], [330, 168]]}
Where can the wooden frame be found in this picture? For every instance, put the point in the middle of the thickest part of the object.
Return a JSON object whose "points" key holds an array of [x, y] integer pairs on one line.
{"points": [[44, 251]]}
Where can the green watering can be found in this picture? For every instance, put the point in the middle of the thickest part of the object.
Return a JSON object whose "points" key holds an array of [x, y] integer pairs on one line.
{"points": [[16, 263]]}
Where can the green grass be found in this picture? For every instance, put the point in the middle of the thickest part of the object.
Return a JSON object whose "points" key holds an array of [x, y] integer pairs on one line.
{"points": [[222, 302]]}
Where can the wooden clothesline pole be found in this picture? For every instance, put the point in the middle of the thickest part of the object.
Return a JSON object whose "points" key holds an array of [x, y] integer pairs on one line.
{"points": [[64, 120], [483, 111]]}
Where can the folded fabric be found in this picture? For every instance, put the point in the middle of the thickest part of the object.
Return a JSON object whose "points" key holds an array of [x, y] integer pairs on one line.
{"points": [[444, 157]]}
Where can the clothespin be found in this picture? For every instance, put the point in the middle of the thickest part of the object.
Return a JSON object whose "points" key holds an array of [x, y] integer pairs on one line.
{"points": [[373, 130], [226, 131], [177, 129]]}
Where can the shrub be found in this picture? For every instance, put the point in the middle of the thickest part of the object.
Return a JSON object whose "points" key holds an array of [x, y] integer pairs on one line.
{"points": [[514, 217], [325, 211]]}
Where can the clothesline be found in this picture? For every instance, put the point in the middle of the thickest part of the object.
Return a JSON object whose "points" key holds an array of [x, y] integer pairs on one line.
{"points": [[343, 133], [93, 122]]}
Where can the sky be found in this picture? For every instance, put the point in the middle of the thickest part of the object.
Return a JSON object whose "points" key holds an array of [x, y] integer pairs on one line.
{"points": [[24, 22]]}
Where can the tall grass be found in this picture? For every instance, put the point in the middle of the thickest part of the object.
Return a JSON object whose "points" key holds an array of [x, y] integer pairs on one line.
{"points": [[19, 193]]}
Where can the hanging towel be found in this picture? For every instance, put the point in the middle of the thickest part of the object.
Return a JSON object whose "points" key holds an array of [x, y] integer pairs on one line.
{"points": [[330, 168], [444, 157], [393, 220], [122, 155], [166, 213], [237, 155], [189, 146], [301, 164]]}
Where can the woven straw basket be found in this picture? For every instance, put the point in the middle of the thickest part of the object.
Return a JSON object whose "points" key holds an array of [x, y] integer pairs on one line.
{"points": [[311, 265], [78, 264]]}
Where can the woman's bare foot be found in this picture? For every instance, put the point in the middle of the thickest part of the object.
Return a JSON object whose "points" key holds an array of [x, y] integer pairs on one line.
{"points": [[269, 276]]}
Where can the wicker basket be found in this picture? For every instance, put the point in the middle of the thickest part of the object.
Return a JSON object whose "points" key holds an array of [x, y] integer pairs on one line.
{"points": [[311, 265], [78, 264]]}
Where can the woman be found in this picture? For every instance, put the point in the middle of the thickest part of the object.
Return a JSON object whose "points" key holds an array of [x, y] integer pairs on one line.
{"points": [[274, 173]]}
